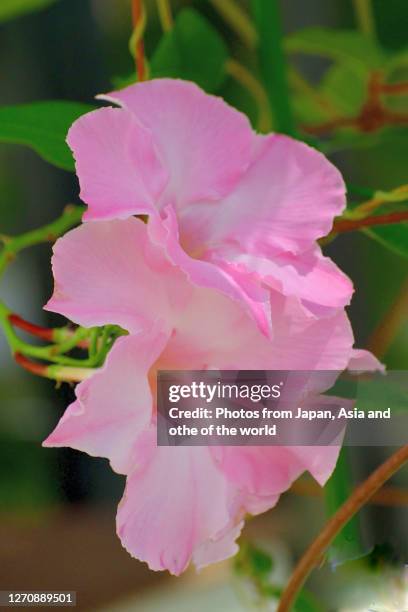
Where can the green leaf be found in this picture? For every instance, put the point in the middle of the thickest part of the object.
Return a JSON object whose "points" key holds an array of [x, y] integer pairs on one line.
{"points": [[338, 45], [383, 391], [397, 61], [192, 50], [42, 126], [9, 9], [394, 237], [307, 602], [307, 110], [344, 86], [261, 562]]}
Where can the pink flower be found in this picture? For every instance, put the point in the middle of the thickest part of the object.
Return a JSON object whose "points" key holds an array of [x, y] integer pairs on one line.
{"points": [[181, 504], [238, 211]]}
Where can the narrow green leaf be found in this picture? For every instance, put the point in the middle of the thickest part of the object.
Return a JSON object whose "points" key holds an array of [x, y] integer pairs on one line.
{"points": [[42, 126], [192, 50], [272, 62], [348, 544], [338, 45], [9, 9], [393, 237]]}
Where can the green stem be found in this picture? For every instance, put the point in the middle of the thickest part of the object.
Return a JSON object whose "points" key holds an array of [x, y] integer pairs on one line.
{"points": [[49, 233], [273, 63], [93, 347], [165, 15], [64, 340], [51, 352], [364, 16], [238, 20]]}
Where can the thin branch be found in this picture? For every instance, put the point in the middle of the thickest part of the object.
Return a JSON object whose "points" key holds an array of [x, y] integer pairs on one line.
{"points": [[364, 14], [386, 496], [44, 333], [166, 18], [355, 502], [54, 372], [400, 194], [138, 19], [372, 116], [49, 334], [238, 20], [243, 76], [395, 88], [350, 225], [49, 233], [387, 330]]}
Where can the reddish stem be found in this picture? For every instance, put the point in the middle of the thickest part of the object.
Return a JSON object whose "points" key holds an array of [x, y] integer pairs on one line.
{"points": [[350, 225], [372, 116], [45, 333], [39, 369], [139, 46], [394, 88], [329, 126], [361, 495]]}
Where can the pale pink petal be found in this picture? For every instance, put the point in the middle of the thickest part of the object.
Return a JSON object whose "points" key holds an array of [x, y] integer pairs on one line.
{"points": [[114, 406], [264, 472], [205, 144], [107, 272], [116, 163], [259, 470], [364, 361], [288, 198], [320, 461], [214, 332], [257, 504], [167, 512], [223, 547]]}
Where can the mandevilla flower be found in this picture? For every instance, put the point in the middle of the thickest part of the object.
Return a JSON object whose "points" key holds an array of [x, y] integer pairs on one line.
{"points": [[239, 212], [181, 504]]}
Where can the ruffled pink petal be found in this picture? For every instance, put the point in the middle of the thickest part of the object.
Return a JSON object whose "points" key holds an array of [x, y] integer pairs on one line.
{"points": [[117, 165], [241, 287], [313, 278], [114, 406], [205, 144], [107, 272], [288, 198], [219, 549], [302, 342], [216, 332], [167, 514]]}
